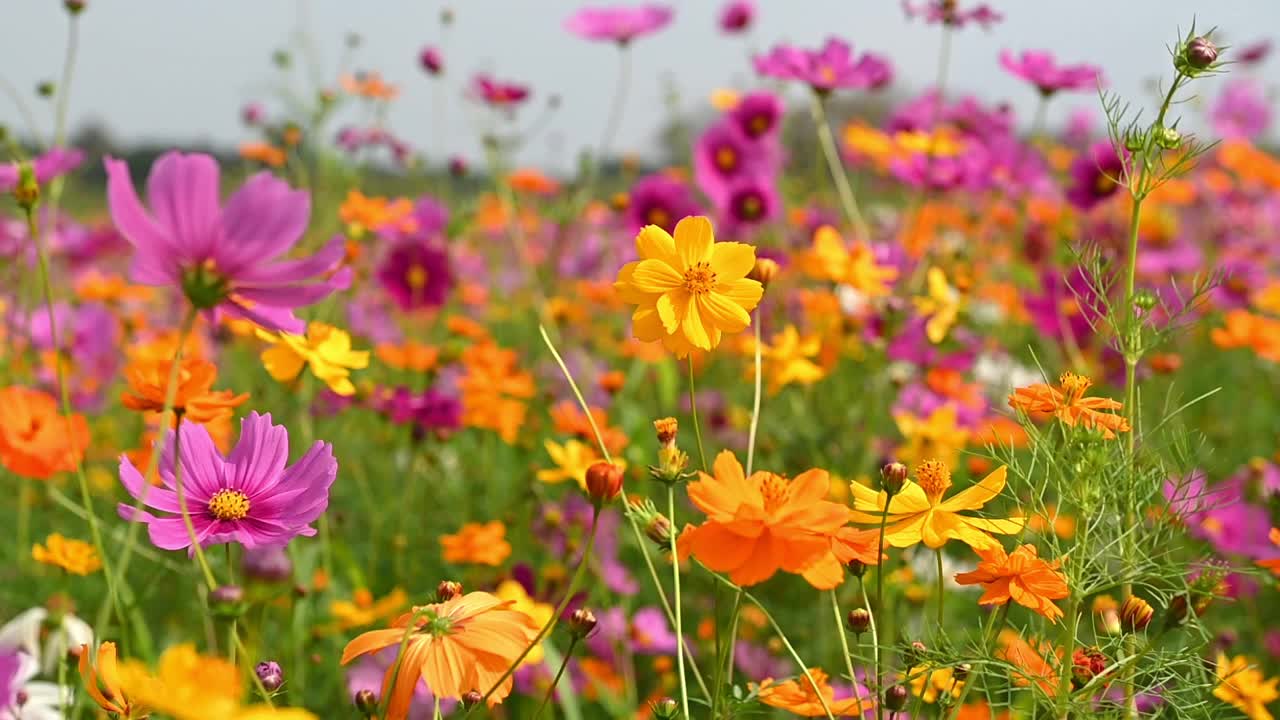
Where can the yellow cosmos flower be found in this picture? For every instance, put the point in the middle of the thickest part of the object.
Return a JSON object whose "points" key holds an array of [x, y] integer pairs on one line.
{"points": [[539, 613], [919, 514], [326, 349], [787, 361], [689, 290], [830, 259], [572, 460], [941, 306], [1243, 685], [75, 556], [928, 684], [936, 436], [185, 686]]}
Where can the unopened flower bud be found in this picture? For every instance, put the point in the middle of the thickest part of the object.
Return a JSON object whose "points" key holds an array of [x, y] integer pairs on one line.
{"points": [[1135, 614], [458, 166], [1145, 300], [448, 590], [471, 698], [895, 698], [914, 653], [446, 16], [604, 482], [281, 59], [227, 594], [268, 564], [270, 675], [1201, 52], [765, 271], [367, 703], [658, 529], [27, 191], [892, 477], [582, 622], [75, 7], [665, 709], [1168, 138], [858, 620], [857, 568], [431, 60], [46, 88]]}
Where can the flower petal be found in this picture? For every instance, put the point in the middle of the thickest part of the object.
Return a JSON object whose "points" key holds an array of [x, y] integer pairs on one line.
{"points": [[694, 240]]}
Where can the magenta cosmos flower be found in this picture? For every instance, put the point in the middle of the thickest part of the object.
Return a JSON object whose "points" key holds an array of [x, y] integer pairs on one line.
{"points": [[949, 12], [831, 68], [737, 15], [223, 257], [417, 275], [1039, 68], [58, 161], [1095, 175], [619, 24], [497, 93], [249, 497]]}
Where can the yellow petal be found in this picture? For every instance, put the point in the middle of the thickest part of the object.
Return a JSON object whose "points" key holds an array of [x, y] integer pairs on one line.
{"points": [[655, 276], [975, 497], [731, 260], [282, 363], [654, 243], [694, 240], [723, 313]]}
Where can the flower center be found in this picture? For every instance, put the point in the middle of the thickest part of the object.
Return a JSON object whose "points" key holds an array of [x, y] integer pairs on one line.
{"points": [[758, 125], [203, 286], [726, 158], [658, 216], [229, 505], [1073, 385], [1104, 184], [827, 74], [750, 207], [416, 277], [699, 278], [934, 478], [774, 490]]}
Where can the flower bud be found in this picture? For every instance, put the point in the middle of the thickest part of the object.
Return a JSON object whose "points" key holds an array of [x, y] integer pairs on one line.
{"points": [[665, 709], [27, 191], [765, 271], [1145, 300], [892, 477], [857, 568], [270, 675], [75, 7], [914, 653], [1201, 52], [46, 88], [367, 703], [431, 60], [961, 672], [446, 16], [604, 482], [1086, 664], [666, 429], [895, 698], [458, 166], [582, 623], [1135, 614], [448, 590], [858, 620], [268, 564], [1168, 138], [471, 698], [658, 529], [226, 594]]}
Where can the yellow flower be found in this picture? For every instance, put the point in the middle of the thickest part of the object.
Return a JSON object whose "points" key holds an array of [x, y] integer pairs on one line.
{"points": [[689, 290], [928, 684], [75, 556], [326, 349], [941, 306], [830, 259], [1243, 685], [539, 613], [724, 99], [936, 436], [572, 460], [185, 686], [362, 609], [787, 360], [919, 514]]}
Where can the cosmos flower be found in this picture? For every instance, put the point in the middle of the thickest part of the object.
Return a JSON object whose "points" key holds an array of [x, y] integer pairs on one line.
{"points": [[430, 410], [690, 290], [1241, 110], [1242, 685], [324, 348], [661, 200], [417, 275], [620, 24], [36, 441], [936, 435], [194, 397], [24, 698], [798, 696], [102, 681], [831, 68], [948, 12], [461, 645], [497, 93], [941, 306], [1095, 175], [75, 556], [1039, 68], [54, 163], [750, 201], [495, 391], [736, 16], [724, 154], [1068, 403], [46, 635], [248, 497], [431, 60], [477, 544], [363, 609], [758, 115], [830, 259], [1020, 576], [572, 460], [788, 357], [223, 256]]}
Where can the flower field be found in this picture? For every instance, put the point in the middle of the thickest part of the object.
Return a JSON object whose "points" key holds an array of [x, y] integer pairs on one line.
{"points": [[864, 400]]}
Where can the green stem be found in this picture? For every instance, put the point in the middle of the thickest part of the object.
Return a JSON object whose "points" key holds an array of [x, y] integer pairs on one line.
{"points": [[836, 167], [994, 625], [942, 589], [385, 700], [64, 90], [884, 520], [875, 643], [26, 496], [675, 594], [568, 653], [1066, 640], [435, 710], [182, 505], [693, 408], [755, 403], [844, 647]]}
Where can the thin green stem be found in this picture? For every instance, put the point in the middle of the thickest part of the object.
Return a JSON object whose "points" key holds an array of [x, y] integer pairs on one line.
{"points": [[551, 690], [844, 647], [675, 597], [182, 506], [1066, 640], [875, 644], [693, 409], [26, 496], [435, 709], [942, 589], [884, 520], [836, 167], [994, 625], [755, 403], [64, 90]]}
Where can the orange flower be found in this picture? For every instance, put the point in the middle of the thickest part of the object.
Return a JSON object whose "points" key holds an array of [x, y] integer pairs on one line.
{"points": [[529, 180], [93, 286], [362, 214], [1033, 663], [362, 609], [761, 524], [570, 419], [494, 390], [369, 85], [478, 544], [457, 646], [193, 398], [1068, 403], [1021, 576], [104, 684], [35, 440], [1244, 329], [410, 355], [265, 153], [798, 696], [1272, 564], [466, 327]]}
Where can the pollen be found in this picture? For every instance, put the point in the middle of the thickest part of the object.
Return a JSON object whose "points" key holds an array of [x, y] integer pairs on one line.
{"points": [[229, 505], [1073, 385], [934, 478], [416, 277], [774, 489], [699, 278], [726, 159]]}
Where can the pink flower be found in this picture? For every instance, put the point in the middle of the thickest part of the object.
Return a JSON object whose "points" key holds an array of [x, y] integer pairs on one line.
{"points": [[57, 162], [1241, 110], [1039, 68], [431, 60], [223, 257], [831, 68], [948, 12], [619, 24], [737, 15], [249, 497], [1253, 53], [497, 93]]}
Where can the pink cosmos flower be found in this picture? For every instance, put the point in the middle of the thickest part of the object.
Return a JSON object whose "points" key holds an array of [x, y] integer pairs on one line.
{"points": [[1241, 111], [496, 93], [57, 162], [831, 68], [948, 12], [431, 60], [619, 24], [1253, 53], [1039, 68], [248, 497], [223, 257], [737, 15]]}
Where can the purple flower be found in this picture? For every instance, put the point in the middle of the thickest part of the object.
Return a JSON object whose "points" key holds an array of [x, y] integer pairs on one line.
{"points": [[757, 115], [948, 12], [223, 257], [757, 663], [57, 162], [724, 155], [21, 697], [1095, 175], [1253, 53], [498, 93], [1039, 68], [750, 202], [831, 68], [1065, 308], [253, 114], [1241, 110], [661, 200], [619, 24], [431, 60], [417, 275], [249, 497], [650, 633], [430, 411], [737, 15], [1080, 127]]}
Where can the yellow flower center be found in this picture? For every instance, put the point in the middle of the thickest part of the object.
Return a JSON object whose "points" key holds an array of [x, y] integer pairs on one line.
{"points": [[726, 158], [1104, 184], [658, 216], [934, 478], [751, 206], [416, 276], [229, 505], [773, 488], [699, 278], [1073, 385]]}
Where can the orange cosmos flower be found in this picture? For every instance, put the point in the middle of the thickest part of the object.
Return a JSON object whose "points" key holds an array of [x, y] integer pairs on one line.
{"points": [[104, 685], [409, 355], [478, 544], [1037, 664], [35, 440], [362, 609], [75, 556], [1246, 330], [761, 524], [494, 390], [528, 180], [830, 259], [1021, 576], [1068, 403], [798, 696], [265, 153], [369, 85], [569, 419], [457, 646], [94, 286], [1272, 564], [362, 214], [193, 397]]}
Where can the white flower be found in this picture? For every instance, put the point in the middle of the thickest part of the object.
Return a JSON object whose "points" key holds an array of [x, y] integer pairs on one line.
{"points": [[24, 631], [21, 698]]}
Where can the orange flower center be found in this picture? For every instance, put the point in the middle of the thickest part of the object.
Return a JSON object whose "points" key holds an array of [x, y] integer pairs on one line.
{"points": [[934, 478], [699, 278], [658, 216], [229, 505], [758, 125], [1073, 385], [774, 491], [726, 158], [416, 276], [751, 207]]}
